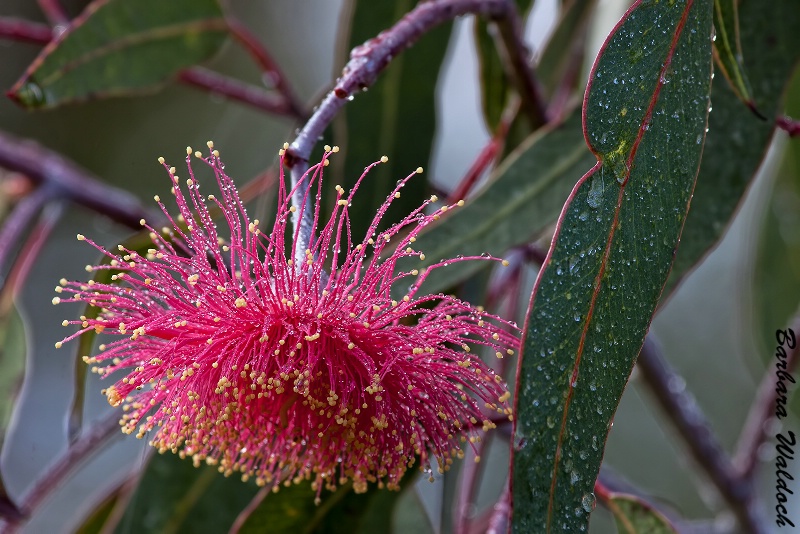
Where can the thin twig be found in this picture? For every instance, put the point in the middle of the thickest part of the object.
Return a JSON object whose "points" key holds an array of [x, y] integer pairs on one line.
{"points": [[681, 408], [789, 125], [519, 58], [236, 90], [69, 180], [75, 455], [25, 31], [54, 12], [366, 62], [269, 67], [754, 433], [19, 221]]}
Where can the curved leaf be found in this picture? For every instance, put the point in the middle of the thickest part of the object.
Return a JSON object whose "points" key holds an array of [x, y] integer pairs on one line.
{"points": [[728, 48], [523, 196], [174, 496], [645, 117], [635, 516], [117, 47], [293, 511], [737, 139]]}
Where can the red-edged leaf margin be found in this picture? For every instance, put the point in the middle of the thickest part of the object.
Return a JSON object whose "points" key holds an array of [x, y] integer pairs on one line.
{"points": [[645, 116]]}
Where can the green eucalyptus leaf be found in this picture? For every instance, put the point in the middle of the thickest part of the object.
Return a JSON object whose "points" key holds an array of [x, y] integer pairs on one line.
{"points": [[120, 47], [645, 115]]}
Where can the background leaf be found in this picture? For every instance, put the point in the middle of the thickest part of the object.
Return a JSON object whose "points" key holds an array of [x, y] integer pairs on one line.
{"points": [[645, 116], [173, 496], [728, 50], [522, 197], [12, 363], [292, 511], [635, 516], [117, 47], [776, 277], [495, 85], [737, 139]]}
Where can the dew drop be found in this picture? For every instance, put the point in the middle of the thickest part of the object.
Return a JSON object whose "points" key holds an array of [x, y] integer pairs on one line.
{"points": [[589, 502]]}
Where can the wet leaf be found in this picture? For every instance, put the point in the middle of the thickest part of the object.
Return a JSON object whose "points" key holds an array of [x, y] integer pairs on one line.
{"points": [[737, 140], [395, 117], [522, 197], [119, 47], [645, 116], [635, 516]]}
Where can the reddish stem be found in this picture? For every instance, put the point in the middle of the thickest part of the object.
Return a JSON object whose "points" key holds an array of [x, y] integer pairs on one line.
{"points": [[476, 170], [54, 12], [789, 125], [236, 90], [25, 31], [269, 66]]}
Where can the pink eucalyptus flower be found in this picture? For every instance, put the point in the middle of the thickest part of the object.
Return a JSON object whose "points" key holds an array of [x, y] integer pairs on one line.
{"points": [[235, 355]]}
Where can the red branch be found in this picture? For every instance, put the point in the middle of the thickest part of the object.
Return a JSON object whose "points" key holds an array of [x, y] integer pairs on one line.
{"points": [[25, 31], [236, 90], [789, 125]]}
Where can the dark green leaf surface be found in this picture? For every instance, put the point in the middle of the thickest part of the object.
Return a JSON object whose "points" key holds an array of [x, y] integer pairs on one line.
{"points": [[292, 511], [523, 196], [395, 117], [97, 520], [173, 496], [728, 50], [634, 516], [737, 139], [118, 47], [645, 118]]}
